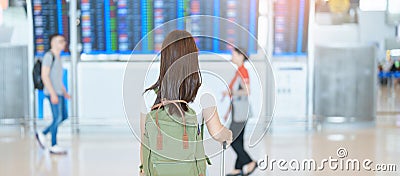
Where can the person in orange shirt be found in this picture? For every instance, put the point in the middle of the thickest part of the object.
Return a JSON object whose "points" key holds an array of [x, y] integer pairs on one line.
{"points": [[239, 92]]}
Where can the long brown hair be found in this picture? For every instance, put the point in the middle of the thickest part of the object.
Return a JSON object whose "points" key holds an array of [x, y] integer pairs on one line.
{"points": [[180, 76]]}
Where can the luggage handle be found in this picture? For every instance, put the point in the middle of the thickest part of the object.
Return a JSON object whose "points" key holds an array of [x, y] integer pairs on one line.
{"points": [[223, 158]]}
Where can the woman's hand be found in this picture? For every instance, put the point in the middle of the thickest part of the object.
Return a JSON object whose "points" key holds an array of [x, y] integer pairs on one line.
{"points": [[214, 126], [225, 135]]}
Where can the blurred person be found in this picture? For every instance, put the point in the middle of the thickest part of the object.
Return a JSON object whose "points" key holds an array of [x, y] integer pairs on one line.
{"points": [[239, 93], [395, 68], [55, 92]]}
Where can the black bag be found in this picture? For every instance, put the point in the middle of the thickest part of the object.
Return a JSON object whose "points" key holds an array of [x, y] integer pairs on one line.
{"points": [[37, 74]]}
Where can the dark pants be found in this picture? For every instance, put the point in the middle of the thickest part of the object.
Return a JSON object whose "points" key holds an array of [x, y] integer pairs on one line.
{"points": [[242, 157], [60, 114]]}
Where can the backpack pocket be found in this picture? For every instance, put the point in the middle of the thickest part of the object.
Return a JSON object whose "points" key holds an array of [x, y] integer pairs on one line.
{"points": [[174, 168]]}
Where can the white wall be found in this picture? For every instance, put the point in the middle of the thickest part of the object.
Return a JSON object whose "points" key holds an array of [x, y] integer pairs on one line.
{"points": [[371, 29], [291, 85], [326, 34], [100, 90], [15, 17], [101, 86]]}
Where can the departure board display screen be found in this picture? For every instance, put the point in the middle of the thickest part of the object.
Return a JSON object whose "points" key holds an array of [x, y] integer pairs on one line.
{"points": [[93, 25], [129, 17], [290, 27], [116, 27], [49, 17]]}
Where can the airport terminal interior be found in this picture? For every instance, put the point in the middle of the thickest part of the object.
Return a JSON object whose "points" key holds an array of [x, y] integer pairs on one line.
{"points": [[322, 80]]}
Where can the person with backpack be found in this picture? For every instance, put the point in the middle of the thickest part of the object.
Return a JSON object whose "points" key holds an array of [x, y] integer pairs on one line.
{"points": [[55, 92], [172, 133], [240, 108]]}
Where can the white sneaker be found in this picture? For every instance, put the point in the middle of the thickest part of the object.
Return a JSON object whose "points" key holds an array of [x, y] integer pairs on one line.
{"points": [[58, 150], [41, 139]]}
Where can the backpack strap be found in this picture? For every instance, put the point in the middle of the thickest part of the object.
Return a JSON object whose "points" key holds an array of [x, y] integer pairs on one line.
{"points": [[53, 57], [164, 102]]}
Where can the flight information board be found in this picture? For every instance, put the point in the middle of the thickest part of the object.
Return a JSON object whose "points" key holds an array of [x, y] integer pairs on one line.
{"points": [[199, 26], [110, 26], [93, 26], [217, 37], [49, 17], [244, 13], [290, 27], [164, 11], [129, 32]]}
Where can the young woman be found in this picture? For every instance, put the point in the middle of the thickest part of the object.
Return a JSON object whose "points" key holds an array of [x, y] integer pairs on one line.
{"points": [[180, 79], [239, 91]]}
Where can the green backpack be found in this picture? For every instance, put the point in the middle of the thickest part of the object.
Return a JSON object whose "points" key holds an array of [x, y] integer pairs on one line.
{"points": [[173, 145]]}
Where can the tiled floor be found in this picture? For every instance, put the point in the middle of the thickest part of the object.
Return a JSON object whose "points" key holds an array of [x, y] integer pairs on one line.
{"points": [[113, 150], [100, 149]]}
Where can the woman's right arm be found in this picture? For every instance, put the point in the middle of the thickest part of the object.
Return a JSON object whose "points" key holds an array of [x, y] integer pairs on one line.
{"points": [[214, 126]]}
